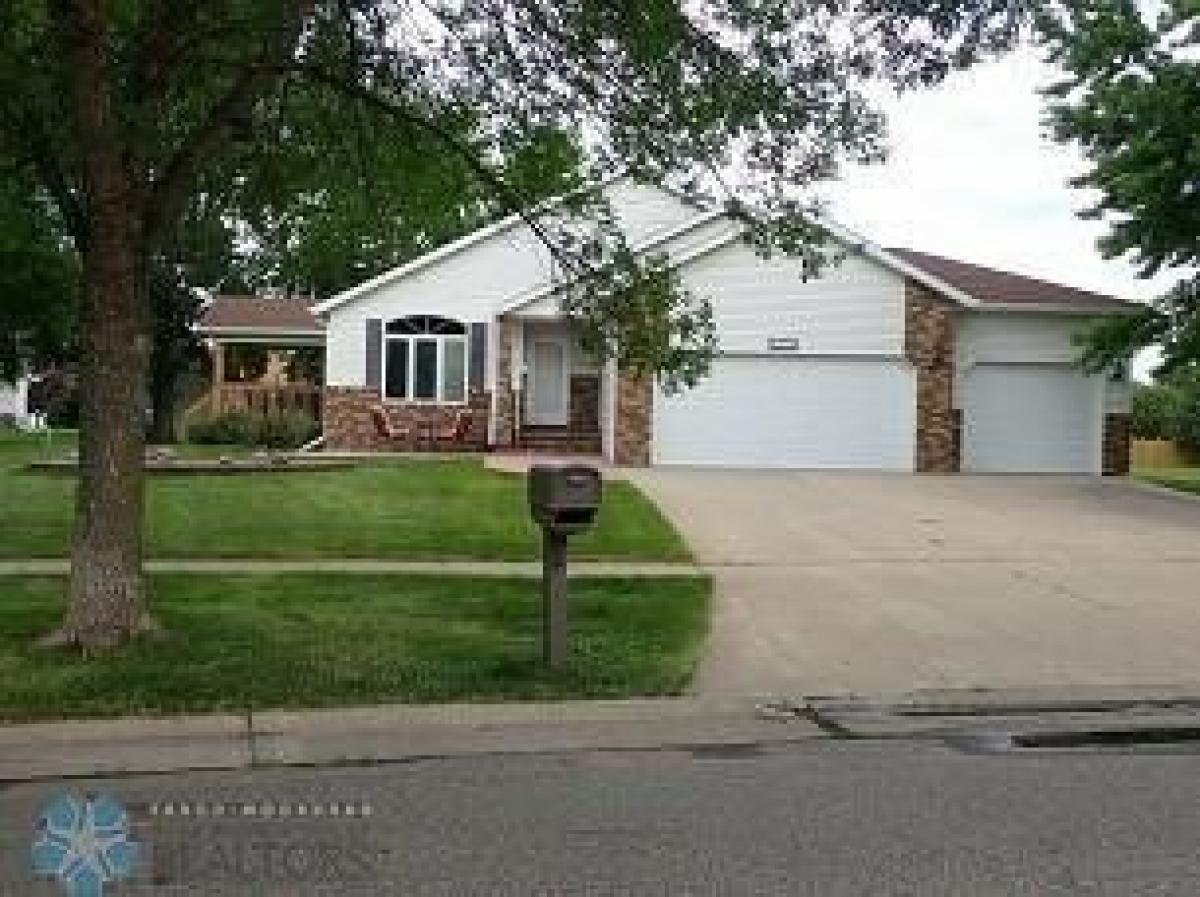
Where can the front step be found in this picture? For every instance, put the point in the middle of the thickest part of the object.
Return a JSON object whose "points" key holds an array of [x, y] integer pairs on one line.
{"points": [[559, 440]]}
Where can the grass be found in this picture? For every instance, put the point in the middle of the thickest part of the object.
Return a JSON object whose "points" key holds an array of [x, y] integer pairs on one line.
{"points": [[1185, 479], [420, 510], [257, 642]]}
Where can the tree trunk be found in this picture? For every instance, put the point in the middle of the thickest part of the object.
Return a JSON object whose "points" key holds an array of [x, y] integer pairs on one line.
{"points": [[106, 597], [164, 406]]}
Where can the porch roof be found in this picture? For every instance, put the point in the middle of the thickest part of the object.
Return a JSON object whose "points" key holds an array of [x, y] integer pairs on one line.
{"points": [[287, 320]]}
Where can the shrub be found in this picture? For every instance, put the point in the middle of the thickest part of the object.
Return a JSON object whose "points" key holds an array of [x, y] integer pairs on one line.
{"points": [[228, 428], [287, 429], [1185, 425], [1154, 411], [278, 430]]}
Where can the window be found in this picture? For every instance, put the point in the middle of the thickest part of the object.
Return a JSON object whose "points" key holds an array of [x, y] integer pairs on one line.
{"points": [[425, 359]]}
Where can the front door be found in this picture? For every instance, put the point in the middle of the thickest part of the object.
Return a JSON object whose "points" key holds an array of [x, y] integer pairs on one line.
{"points": [[548, 389]]}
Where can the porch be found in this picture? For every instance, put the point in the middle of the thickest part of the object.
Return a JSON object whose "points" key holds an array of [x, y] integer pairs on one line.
{"points": [[559, 394], [266, 357]]}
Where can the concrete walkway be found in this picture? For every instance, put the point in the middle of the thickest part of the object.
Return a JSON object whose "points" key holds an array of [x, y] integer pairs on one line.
{"points": [[522, 569]]}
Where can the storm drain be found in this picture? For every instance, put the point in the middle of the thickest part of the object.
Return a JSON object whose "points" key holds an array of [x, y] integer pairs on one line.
{"points": [[1184, 738]]}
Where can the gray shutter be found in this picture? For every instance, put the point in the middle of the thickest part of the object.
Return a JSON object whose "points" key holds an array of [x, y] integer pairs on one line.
{"points": [[374, 353], [475, 378]]}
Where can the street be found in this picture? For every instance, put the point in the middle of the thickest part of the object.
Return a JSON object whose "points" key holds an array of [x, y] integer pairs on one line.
{"points": [[811, 816]]}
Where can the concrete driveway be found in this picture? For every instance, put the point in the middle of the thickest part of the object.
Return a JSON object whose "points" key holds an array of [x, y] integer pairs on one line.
{"points": [[829, 583]]}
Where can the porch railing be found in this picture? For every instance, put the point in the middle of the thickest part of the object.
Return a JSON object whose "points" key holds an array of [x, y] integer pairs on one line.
{"points": [[263, 399]]}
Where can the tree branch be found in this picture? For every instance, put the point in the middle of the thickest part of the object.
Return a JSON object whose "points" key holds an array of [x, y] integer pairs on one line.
{"points": [[510, 197], [169, 191]]}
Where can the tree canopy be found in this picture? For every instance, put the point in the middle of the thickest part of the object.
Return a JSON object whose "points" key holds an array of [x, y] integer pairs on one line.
{"points": [[1130, 99]]}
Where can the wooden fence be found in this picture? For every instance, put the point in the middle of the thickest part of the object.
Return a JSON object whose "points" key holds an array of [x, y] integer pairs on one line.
{"points": [[1161, 453]]}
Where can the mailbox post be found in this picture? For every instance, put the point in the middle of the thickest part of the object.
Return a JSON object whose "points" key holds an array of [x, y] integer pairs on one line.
{"points": [[564, 501]]}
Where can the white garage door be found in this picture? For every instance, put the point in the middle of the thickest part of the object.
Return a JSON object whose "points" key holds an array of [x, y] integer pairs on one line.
{"points": [[1031, 418], [791, 412]]}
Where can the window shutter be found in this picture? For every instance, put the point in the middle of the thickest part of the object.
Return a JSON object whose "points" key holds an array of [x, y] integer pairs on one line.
{"points": [[475, 378], [374, 348]]}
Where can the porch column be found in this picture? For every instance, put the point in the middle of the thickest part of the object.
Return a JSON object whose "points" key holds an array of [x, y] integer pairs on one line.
{"points": [[506, 397], [634, 413], [218, 375]]}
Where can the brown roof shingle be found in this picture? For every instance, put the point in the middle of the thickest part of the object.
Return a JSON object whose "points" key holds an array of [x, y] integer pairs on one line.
{"points": [[290, 314], [990, 286]]}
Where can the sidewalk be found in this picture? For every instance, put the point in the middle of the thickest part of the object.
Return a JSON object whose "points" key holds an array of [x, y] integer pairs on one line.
{"points": [[46, 751], [524, 569]]}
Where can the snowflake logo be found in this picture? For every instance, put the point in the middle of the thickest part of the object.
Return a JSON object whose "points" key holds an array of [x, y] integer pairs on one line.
{"points": [[84, 844]]}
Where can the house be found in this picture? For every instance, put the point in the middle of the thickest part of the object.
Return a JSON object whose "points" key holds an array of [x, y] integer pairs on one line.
{"points": [[14, 402], [891, 360], [262, 350]]}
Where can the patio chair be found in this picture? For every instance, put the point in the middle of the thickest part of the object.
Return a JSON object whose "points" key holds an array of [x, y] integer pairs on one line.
{"points": [[384, 428], [456, 433]]}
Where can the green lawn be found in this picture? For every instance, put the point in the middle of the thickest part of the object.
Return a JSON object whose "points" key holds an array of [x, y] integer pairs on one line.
{"points": [[240, 642], [1185, 479], [420, 509]]}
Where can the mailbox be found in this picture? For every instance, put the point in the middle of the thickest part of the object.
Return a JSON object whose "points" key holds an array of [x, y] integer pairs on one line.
{"points": [[564, 499]]}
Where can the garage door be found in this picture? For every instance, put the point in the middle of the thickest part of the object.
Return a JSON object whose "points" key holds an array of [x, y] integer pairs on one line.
{"points": [[791, 412], [1026, 418]]}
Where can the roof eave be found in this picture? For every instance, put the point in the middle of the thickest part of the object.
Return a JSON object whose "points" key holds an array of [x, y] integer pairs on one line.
{"points": [[452, 248], [703, 217], [225, 331], [1060, 308]]}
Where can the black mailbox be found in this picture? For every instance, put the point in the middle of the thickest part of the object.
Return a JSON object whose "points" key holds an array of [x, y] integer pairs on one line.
{"points": [[564, 499]]}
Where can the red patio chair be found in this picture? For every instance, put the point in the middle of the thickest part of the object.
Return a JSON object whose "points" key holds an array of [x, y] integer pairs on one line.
{"points": [[384, 428], [456, 433]]}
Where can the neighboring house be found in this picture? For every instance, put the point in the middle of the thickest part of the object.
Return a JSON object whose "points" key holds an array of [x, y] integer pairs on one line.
{"points": [[890, 360], [276, 327], [14, 403]]}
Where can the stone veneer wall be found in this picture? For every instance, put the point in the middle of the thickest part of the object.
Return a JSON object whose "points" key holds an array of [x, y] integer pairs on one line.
{"points": [[1117, 444], [506, 399], [584, 405], [348, 425], [929, 347], [635, 410]]}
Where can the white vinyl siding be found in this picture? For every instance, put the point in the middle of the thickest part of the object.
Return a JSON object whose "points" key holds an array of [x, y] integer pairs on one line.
{"points": [[473, 284], [14, 401], [1031, 418], [792, 413], [853, 308], [986, 337]]}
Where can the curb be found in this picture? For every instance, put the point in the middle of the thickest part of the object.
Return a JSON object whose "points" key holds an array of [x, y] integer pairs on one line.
{"points": [[42, 752]]}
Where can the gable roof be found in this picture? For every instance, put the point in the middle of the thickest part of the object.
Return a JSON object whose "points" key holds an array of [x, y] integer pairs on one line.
{"points": [[230, 314], [969, 285], [994, 288], [455, 246], [847, 238]]}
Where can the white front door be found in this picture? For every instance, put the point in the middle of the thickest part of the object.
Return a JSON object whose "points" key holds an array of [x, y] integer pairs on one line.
{"points": [[548, 382]]}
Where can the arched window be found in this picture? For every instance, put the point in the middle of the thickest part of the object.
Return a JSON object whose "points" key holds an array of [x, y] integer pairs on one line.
{"points": [[425, 359]]}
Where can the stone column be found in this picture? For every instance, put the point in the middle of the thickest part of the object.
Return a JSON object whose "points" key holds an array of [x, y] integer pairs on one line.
{"points": [[635, 411], [1116, 445], [506, 400], [929, 347]]}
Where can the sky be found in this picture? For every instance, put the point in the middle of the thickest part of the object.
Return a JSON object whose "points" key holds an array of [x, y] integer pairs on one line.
{"points": [[973, 176]]}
